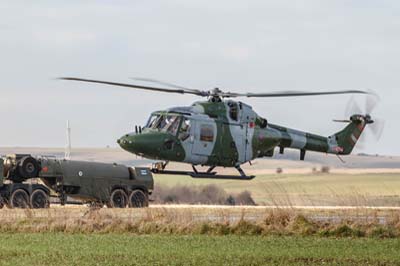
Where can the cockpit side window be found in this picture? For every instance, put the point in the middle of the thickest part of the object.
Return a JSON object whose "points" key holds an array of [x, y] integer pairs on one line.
{"points": [[233, 111], [184, 131], [166, 123], [159, 122], [173, 124]]}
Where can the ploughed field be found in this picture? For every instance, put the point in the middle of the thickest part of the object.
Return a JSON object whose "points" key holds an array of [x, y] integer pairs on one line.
{"points": [[130, 249]]}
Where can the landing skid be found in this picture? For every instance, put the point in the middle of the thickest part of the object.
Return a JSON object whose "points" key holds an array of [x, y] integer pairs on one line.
{"points": [[229, 177], [169, 172], [208, 174]]}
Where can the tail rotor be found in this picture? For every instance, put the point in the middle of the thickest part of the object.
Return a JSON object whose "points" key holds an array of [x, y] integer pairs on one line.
{"points": [[354, 111]]}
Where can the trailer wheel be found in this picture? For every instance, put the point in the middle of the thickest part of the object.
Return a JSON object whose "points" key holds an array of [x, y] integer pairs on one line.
{"points": [[138, 199], [19, 199], [28, 167], [118, 199], [39, 199]]}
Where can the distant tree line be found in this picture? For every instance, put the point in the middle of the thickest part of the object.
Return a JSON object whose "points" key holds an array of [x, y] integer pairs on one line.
{"points": [[209, 194]]}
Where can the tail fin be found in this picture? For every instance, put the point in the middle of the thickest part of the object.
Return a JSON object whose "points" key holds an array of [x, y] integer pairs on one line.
{"points": [[344, 141]]}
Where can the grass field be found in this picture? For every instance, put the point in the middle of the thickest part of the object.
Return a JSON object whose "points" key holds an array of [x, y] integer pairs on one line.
{"points": [[374, 189], [126, 249]]}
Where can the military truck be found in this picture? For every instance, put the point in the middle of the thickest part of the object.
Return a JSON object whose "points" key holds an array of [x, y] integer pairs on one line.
{"points": [[28, 182]]}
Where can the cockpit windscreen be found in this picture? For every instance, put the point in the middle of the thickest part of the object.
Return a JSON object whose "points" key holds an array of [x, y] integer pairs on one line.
{"points": [[164, 122]]}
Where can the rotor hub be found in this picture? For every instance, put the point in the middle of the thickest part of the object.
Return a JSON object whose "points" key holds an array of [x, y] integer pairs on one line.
{"points": [[368, 119]]}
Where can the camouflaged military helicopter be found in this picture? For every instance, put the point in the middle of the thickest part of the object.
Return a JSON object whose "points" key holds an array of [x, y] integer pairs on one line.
{"points": [[221, 132]]}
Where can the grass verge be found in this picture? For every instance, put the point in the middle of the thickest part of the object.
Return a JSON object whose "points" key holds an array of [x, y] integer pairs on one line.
{"points": [[201, 221]]}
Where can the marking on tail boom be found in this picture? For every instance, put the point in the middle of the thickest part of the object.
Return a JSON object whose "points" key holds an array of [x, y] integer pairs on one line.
{"points": [[338, 149], [299, 139]]}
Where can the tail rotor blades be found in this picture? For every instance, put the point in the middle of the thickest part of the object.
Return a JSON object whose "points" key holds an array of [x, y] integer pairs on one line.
{"points": [[377, 128], [371, 102], [352, 108]]}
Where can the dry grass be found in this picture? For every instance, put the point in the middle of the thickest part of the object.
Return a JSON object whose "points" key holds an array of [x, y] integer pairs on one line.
{"points": [[192, 221]]}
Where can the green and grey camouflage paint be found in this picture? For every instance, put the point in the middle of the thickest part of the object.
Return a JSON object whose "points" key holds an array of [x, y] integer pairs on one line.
{"points": [[230, 133]]}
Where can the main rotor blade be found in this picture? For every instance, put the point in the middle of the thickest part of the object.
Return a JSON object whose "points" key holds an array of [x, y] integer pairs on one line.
{"points": [[181, 91], [297, 93], [164, 83], [341, 120]]}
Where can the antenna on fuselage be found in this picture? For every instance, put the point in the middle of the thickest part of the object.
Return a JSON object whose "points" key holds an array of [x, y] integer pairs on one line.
{"points": [[67, 154]]}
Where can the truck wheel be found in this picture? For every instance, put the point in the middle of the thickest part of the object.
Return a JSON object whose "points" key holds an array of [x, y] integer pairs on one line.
{"points": [[138, 199], [118, 199], [28, 167], [19, 199], [39, 199]]}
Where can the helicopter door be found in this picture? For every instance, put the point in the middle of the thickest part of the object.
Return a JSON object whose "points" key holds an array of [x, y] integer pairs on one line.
{"points": [[205, 136], [239, 137], [249, 132]]}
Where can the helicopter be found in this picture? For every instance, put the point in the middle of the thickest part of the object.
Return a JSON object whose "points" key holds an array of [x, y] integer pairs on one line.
{"points": [[221, 132]]}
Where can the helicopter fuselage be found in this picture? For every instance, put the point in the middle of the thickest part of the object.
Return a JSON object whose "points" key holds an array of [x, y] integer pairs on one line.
{"points": [[228, 134]]}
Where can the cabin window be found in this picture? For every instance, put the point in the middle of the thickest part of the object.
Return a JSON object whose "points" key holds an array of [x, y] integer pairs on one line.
{"points": [[207, 133], [263, 123], [233, 111]]}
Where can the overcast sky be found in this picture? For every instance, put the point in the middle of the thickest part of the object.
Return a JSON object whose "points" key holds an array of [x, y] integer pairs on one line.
{"points": [[254, 46]]}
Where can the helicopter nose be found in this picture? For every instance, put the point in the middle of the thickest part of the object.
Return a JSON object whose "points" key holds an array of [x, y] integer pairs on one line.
{"points": [[124, 141], [131, 143], [142, 144]]}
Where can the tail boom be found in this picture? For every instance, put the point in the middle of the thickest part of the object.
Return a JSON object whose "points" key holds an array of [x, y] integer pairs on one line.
{"points": [[341, 143]]}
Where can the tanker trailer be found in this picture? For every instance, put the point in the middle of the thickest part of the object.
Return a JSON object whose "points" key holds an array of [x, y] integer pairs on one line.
{"points": [[111, 184]]}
